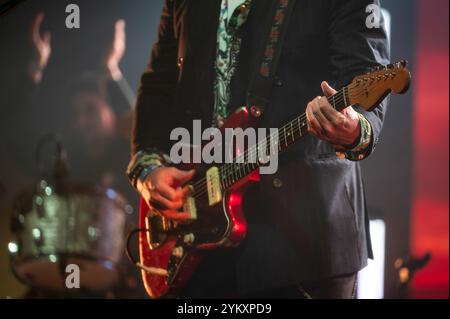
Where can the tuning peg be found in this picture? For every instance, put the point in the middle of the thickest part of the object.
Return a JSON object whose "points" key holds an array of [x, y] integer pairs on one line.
{"points": [[404, 63], [390, 66]]}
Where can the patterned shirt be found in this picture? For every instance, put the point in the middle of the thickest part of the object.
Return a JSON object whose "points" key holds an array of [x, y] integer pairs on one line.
{"points": [[233, 15]]}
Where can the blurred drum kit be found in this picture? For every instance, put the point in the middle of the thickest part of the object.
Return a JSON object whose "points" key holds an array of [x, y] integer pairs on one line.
{"points": [[57, 224]]}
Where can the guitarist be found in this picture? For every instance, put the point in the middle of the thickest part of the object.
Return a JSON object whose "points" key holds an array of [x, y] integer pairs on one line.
{"points": [[308, 232]]}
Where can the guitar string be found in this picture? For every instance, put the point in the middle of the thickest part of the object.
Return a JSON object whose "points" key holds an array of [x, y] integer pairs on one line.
{"points": [[296, 124], [291, 123], [251, 149]]}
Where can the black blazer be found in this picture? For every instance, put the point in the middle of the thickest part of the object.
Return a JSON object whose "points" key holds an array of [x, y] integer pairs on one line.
{"points": [[310, 219]]}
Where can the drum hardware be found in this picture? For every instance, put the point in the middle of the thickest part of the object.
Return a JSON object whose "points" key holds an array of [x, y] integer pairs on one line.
{"points": [[58, 222], [83, 227], [37, 236], [94, 233]]}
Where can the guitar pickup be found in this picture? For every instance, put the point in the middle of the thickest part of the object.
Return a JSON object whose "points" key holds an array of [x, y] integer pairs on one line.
{"points": [[213, 186], [189, 204]]}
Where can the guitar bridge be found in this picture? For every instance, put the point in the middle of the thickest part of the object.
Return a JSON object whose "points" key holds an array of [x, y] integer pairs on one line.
{"points": [[213, 186]]}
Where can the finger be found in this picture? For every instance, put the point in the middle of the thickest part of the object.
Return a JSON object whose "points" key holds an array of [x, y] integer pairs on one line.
{"points": [[36, 27], [38, 21], [327, 89], [319, 131], [120, 30], [47, 38], [333, 116], [183, 177], [186, 191], [169, 193], [160, 202], [313, 132], [323, 121], [120, 25], [313, 123], [175, 215], [309, 117], [312, 129]]}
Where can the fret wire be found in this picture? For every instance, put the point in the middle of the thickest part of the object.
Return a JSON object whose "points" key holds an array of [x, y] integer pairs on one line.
{"points": [[341, 97], [292, 132], [229, 178], [239, 169], [285, 137], [226, 174], [343, 92], [347, 102]]}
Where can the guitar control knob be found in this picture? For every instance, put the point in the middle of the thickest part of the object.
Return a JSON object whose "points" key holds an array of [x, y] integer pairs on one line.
{"points": [[178, 252], [188, 239]]}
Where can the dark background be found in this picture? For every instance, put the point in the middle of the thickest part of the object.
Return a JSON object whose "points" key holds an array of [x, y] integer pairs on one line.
{"points": [[387, 172]]}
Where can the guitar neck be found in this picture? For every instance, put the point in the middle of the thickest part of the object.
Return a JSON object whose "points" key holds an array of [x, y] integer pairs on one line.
{"points": [[288, 135], [293, 131]]}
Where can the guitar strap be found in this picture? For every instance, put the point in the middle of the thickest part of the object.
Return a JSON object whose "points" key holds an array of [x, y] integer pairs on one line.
{"points": [[275, 29]]}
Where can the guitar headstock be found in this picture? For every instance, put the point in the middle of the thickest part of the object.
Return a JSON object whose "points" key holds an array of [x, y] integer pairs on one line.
{"points": [[370, 89]]}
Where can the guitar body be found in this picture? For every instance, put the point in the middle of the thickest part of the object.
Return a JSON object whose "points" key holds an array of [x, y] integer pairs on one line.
{"points": [[170, 251], [177, 247]]}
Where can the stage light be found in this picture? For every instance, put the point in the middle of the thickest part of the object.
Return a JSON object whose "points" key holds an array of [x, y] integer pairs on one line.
{"points": [[371, 278], [13, 248]]}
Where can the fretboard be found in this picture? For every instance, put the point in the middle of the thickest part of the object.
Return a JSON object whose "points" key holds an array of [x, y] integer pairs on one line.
{"points": [[288, 135]]}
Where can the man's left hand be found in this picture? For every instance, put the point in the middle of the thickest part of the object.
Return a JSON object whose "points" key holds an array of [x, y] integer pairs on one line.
{"points": [[341, 129]]}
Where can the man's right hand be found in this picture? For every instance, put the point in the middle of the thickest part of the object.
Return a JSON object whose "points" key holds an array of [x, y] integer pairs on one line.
{"points": [[163, 190]]}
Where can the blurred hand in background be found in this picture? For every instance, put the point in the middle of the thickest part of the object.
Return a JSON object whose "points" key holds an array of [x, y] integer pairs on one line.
{"points": [[41, 49], [116, 52]]}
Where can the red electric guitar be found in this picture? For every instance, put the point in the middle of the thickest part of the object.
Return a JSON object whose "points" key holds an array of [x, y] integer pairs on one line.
{"points": [[170, 251]]}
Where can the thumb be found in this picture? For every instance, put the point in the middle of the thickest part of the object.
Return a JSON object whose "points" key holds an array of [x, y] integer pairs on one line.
{"points": [[327, 89], [183, 177]]}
